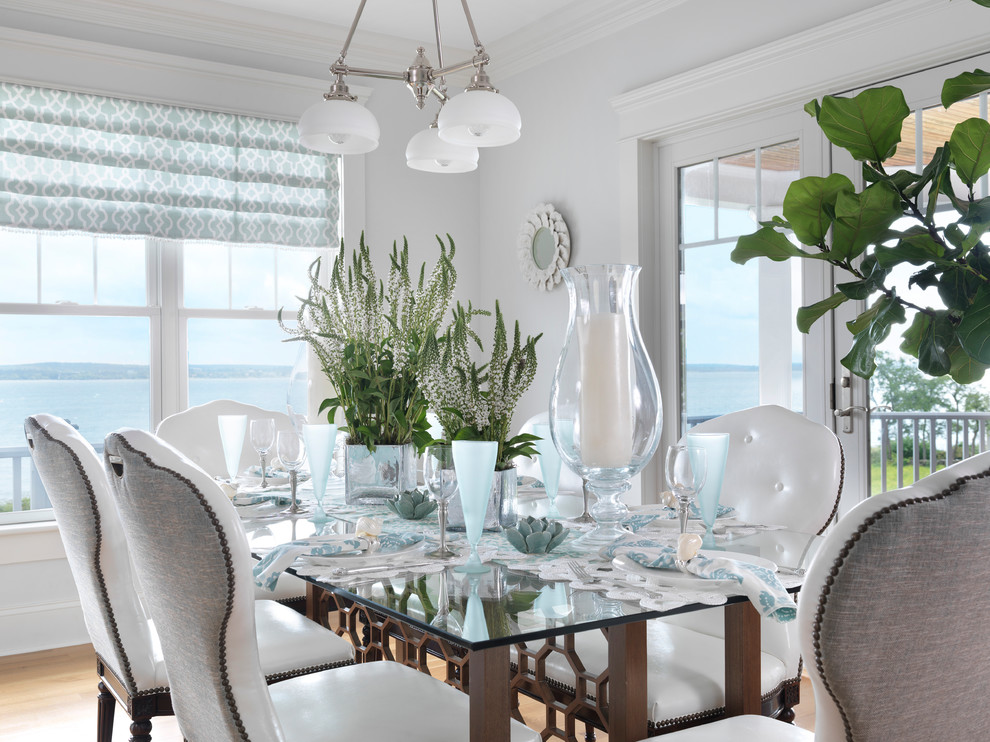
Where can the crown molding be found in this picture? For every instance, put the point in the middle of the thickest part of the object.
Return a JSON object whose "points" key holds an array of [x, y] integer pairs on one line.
{"points": [[837, 56], [575, 26], [248, 29], [104, 69]]}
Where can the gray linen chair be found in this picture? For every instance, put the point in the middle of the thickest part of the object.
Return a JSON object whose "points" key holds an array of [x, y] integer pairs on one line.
{"points": [[782, 469], [129, 662], [195, 433], [893, 620], [190, 557]]}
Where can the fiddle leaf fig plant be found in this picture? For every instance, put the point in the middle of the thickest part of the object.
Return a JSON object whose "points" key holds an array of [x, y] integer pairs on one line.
{"points": [[828, 219]]}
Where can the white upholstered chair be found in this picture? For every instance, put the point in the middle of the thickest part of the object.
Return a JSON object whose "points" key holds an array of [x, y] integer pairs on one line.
{"points": [[781, 469], [892, 620], [174, 517], [129, 662], [195, 432]]}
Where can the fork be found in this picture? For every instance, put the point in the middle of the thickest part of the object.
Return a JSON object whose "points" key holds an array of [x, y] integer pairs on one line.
{"points": [[580, 572]]}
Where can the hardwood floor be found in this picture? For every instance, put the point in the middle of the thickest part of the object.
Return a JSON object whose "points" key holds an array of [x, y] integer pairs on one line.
{"points": [[51, 697]]}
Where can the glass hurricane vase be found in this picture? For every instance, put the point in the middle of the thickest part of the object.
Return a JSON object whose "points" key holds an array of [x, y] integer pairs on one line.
{"points": [[605, 409]]}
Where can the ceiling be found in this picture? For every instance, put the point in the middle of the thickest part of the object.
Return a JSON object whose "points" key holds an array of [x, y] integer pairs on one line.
{"points": [[413, 19]]}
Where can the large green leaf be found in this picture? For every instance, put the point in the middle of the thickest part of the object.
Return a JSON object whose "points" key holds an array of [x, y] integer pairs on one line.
{"points": [[965, 369], [868, 125], [933, 353], [967, 84], [911, 339], [769, 243], [969, 145], [915, 246], [957, 287], [937, 167], [974, 328], [861, 218], [869, 330], [807, 204], [807, 316]]}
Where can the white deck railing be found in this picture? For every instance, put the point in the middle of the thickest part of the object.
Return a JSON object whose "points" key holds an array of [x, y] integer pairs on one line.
{"points": [[936, 440], [19, 458]]}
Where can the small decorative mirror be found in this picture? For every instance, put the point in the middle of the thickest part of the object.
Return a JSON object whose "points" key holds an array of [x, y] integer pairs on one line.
{"points": [[544, 246]]}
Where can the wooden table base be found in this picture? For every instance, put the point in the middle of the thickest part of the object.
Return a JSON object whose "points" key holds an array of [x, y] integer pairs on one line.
{"points": [[742, 659]]}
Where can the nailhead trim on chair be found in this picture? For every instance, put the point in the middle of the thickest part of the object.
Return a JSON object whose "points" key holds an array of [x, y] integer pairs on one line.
{"points": [[837, 566], [275, 677], [104, 596], [229, 566], [838, 495]]}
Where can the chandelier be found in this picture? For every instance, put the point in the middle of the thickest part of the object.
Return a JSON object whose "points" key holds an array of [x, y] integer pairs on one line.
{"points": [[478, 117]]}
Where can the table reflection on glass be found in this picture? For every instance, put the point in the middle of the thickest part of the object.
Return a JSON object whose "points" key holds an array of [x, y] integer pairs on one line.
{"points": [[471, 621]]}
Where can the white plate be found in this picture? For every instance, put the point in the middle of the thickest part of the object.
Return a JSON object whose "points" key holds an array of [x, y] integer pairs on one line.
{"points": [[370, 557], [674, 578]]}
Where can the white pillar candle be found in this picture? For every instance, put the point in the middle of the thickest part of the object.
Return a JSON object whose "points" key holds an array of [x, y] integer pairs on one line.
{"points": [[606, 420]]}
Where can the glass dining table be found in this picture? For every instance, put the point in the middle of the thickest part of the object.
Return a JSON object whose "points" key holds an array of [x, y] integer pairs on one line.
{"points": [[491, 632]]}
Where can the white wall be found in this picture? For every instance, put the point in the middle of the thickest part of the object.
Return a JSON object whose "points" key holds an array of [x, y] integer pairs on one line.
{"points": [[569, 151]]}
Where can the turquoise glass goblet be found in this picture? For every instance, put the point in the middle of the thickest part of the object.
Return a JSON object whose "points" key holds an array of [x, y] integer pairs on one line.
{"points": [[716, 448], [319, 441], [474, 463], [549, 465]]}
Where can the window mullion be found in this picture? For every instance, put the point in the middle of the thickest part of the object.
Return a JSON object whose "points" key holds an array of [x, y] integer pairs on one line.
{"points": [[172, 349]]}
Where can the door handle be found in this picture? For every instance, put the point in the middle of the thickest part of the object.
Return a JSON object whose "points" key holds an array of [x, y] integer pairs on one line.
{"points": [[847, 411]]}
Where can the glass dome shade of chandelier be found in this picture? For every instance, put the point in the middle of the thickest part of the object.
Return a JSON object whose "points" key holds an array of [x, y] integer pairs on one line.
{"points": [[339, 126], [479, 118], [426, 151]]}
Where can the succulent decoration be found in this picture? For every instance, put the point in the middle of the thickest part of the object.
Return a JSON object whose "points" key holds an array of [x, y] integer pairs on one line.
{"points": [[368, 337], [536, 535], [477, 402], [412, 505], [890, 222]]}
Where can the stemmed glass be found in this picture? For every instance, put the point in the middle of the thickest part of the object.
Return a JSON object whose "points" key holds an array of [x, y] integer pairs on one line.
{"points": [[685, 470], [319, 441], [292, 453], [716, 448], [232, 431], [262, 440], [441, 479], [549, 465], [474, 462]]}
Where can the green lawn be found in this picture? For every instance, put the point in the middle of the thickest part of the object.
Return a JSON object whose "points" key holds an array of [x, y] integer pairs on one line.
{"points": [[923, 471]]}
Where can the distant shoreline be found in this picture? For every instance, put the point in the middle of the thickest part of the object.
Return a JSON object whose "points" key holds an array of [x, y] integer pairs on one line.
{"points": [[98, 371]]}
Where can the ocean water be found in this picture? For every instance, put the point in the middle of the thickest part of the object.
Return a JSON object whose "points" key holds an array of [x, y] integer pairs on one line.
{"points": [[101, 405]]}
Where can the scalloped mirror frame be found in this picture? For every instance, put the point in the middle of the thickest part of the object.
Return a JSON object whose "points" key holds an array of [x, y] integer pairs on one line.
{"points": [[543, 216]]}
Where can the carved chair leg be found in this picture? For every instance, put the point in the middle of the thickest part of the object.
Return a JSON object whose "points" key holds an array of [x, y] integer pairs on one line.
{"points": [[787, 715], [106, 704], [589, 732], [141, 730]]}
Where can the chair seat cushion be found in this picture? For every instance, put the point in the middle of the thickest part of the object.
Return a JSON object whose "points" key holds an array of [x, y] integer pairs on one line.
{"points": [[686, 669], [742, 729], [288, 587], [384, 701], [288, 642]]}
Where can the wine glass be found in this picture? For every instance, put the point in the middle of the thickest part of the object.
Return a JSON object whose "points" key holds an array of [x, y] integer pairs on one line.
{"points": [[474, 462], [441, 479], [232, 431], [262, 440], [319, 441], [716, 447], [292, 453], [685, 469], [549, 465]]}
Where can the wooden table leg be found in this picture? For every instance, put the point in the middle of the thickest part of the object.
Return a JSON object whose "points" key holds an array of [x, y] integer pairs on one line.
{"points": [[627, 676], [489, 693], [742, 659], [312, 601]]}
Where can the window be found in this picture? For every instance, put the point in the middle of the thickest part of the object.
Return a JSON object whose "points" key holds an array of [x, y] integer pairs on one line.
{"points": [[144, 253], [739, 346]]}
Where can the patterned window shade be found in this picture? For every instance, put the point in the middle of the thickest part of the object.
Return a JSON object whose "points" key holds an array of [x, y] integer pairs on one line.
{"points": [[71, 161]]}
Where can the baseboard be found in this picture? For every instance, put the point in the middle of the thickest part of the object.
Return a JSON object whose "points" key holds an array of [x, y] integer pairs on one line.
{"points": [[33, 628]]}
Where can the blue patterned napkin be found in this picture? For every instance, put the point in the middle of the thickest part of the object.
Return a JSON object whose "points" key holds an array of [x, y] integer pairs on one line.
{"points": [[694, 513], [635, 522], [759, 584], [253, 497], [269, 569]]}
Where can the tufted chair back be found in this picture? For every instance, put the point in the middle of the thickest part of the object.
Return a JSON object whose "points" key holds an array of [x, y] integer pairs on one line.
{"points": [[118, 626], [782, 468], [190, 554], [892, 613], [196, 433]]}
